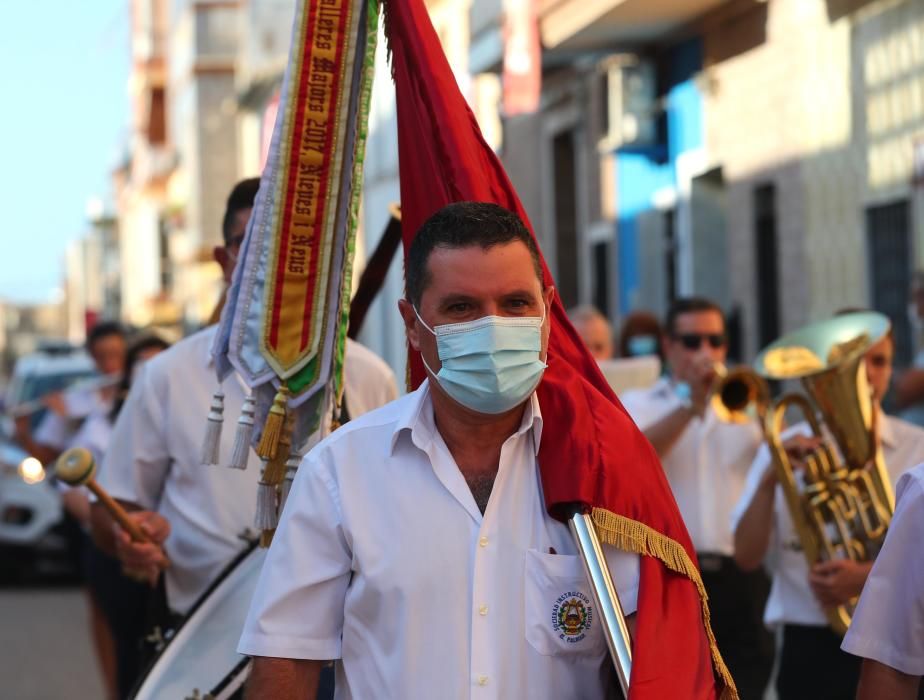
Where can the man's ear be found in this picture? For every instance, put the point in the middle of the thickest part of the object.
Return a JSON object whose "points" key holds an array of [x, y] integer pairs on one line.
{"points": [[410, 323], [548, 295]]}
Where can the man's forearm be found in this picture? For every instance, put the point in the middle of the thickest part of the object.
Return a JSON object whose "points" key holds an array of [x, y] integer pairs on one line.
{"points": [[880, 681], [752, 536], [663, 434], [283, 679], [101, 525]]}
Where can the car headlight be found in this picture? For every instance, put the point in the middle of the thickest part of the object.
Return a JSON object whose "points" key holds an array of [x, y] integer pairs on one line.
{"points": [[31, 470]]}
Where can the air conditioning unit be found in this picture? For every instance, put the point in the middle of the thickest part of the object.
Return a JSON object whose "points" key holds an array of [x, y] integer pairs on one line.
{"points": [[630, 103]]}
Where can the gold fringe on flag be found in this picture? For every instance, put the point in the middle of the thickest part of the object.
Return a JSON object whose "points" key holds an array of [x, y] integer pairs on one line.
{"points": [[635, 537]]}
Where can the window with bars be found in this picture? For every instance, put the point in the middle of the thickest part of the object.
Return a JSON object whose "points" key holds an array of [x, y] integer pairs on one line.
{"points": [[888, 231], [766, 259]]}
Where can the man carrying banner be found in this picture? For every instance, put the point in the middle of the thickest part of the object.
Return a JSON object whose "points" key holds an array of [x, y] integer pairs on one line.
{"points": [[423, 546], [413, 536]]}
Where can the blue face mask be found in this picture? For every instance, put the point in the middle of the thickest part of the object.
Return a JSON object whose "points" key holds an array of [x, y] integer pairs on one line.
{"points": [[642, 345], [490, 365]]}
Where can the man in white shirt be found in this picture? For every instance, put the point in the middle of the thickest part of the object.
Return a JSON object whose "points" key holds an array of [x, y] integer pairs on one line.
{"points": [[415, 548], [888, 625], [197, 513], [811, 663], [706, 462], [595, 330], [106, 344]]}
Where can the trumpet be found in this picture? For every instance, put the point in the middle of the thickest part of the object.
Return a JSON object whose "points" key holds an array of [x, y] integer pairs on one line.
{"points": [[739, 394], [841, 499]]}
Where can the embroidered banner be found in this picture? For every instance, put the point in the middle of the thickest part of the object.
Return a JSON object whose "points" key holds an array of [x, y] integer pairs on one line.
{"points": [[286, 311]]}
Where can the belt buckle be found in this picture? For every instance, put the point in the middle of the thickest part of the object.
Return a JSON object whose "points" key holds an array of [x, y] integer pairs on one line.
{"points": [[710, 562]]}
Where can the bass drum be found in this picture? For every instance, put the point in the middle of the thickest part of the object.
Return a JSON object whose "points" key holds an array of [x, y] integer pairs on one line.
{"points": [[201, 661]]}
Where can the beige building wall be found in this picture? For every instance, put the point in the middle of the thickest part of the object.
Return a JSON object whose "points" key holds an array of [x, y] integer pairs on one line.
{"points": [[826, 108]]}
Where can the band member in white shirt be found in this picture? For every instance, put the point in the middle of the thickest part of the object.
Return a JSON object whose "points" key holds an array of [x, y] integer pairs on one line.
{"points": [[812, 664], [415, 548], [197, 513], [706, 462], [887, 629]]}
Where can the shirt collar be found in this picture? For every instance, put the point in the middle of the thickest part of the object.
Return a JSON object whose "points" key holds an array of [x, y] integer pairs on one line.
{"points": [[417, 420], [886, 429]]}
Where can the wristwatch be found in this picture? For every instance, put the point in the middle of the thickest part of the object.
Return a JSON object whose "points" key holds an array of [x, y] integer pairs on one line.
{"points": [[683, 394]]}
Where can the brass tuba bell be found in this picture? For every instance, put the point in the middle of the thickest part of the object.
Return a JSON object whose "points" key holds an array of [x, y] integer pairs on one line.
{"points": [[841, 502]]}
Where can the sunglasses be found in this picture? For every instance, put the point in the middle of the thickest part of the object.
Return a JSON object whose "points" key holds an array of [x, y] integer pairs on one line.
{"points": [[693, 341]]}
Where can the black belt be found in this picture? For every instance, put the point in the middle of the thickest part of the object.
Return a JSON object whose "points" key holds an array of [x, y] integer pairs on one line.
{"points": [[713, 563]]}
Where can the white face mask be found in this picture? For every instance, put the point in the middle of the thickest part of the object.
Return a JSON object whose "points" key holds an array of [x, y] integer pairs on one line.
{"points": [[491, 364]]}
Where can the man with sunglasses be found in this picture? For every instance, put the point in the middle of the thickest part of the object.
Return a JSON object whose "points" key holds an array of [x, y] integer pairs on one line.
{"points": [[812, 664], [706, 462]]}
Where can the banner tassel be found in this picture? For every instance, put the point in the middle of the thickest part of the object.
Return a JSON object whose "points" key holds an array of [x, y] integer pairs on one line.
{"points": [[212, 440], [286, 488], [243, 436], [275, 420], [275, 470], [266, 507]]}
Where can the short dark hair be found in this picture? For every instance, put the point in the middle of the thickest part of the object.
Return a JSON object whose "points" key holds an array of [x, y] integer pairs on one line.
{"points": [[464, 225], [104, 329], [690, 305], [141, 343], [242, 197]]}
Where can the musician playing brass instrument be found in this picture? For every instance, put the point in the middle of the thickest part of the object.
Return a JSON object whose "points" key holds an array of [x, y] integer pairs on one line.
{"points": [[811, 664], [706, 459]]}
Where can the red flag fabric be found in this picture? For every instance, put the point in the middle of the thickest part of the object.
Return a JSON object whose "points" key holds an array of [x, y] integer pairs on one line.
{"points": [[591, 452]]}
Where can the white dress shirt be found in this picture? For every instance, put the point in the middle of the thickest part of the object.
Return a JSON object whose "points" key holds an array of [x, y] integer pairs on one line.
{"points": [[58, 431], [706, 466], [384, 561], [154, 460], [791, 599], [888, 625]]}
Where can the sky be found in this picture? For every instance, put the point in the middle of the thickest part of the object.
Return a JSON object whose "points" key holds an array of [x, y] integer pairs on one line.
{"points": [[63, 80]]}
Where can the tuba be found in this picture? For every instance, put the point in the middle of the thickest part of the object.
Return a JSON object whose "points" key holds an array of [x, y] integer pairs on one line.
{"points": [[841, 501]]}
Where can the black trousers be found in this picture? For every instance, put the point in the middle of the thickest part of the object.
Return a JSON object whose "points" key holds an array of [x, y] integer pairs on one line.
{"points": [[813, 667], [736, 604], [124, 603]]}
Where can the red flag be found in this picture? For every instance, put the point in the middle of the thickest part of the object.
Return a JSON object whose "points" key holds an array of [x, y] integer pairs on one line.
{"points": [[591, 451]]}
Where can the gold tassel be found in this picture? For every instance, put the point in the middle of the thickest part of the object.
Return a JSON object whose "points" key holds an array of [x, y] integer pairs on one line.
{"points": [[266, 538], [275, 420], [635, 537], [275, 470]]}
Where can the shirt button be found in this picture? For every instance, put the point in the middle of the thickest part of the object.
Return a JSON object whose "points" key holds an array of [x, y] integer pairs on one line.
{"points": [[483, 610], [482, 680], [482, 541]]}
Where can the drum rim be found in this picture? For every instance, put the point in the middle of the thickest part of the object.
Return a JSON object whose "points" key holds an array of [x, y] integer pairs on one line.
{"points": [[225, 573]]}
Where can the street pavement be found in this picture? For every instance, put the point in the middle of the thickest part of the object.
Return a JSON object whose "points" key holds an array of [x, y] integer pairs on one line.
{"points": [[46, 651]]}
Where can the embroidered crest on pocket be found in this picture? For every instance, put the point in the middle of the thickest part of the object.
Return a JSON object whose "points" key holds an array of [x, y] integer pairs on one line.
{"points": [[572, 616]]}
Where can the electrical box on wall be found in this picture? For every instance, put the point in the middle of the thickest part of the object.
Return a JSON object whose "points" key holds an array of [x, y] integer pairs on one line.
{"points": [[629, 101]]}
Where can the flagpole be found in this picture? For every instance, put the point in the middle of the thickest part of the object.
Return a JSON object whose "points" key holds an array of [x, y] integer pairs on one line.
{"points": [[598, 573]]}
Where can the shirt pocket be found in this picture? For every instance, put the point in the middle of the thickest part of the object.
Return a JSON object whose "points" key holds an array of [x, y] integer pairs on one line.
{"points": [[561, 615]]}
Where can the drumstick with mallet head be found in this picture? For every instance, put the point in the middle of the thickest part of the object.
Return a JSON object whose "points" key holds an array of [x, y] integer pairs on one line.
{"points": [[76, 467]]}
